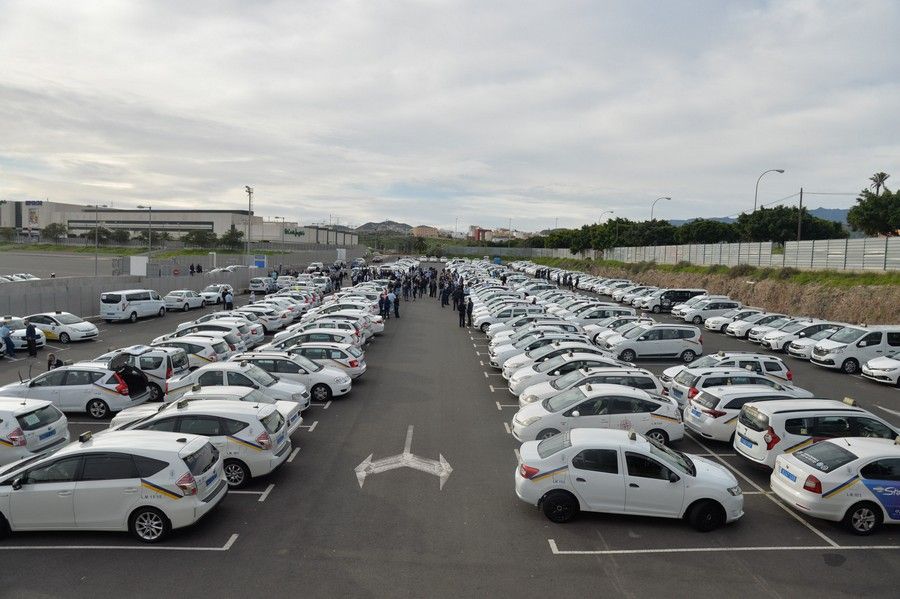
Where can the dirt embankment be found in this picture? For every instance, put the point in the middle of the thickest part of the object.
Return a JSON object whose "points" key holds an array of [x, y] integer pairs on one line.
{"points": [[862, 304]]}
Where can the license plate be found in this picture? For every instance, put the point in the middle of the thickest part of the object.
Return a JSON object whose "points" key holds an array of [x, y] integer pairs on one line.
{"points": [[788, 475], [211, 479], [747, 442], [279, 440], [48, 434], [695, 412], [676, 393]]}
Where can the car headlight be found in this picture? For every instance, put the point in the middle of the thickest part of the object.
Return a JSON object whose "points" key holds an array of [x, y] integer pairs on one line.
{"points": [[528, 421], [736, 491], [529, 399], [837, 350], [342, 380]]}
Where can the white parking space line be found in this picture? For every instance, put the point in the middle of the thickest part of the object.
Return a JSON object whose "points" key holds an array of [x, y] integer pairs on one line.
{"points": [[58, 348], [228, 544], [477, 353], [557, 551], [711, 455], [293, 455], [794, 515], [487, 374], [506, 426], [894, 412], [492, 389], [311, 427], [265, 494], [481, 362], [13, 360], [324, 406], [500, 406]]}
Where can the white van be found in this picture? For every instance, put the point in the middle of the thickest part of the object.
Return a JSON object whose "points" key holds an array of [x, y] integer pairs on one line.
{"points": [[851, 347], [131, 304]]}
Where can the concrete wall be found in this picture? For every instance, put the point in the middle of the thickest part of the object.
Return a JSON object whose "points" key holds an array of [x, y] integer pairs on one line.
{"points": [[81, 295]]}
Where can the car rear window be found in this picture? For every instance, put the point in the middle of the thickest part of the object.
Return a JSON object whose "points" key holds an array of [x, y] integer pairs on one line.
{"points": [[753, 419], [686, 378], [356, 353], [220, 347], [110, 298], [273, 422], [825, 456], [554, 444], [179, 359], [202, 460], [707, 400], [38, 418]]}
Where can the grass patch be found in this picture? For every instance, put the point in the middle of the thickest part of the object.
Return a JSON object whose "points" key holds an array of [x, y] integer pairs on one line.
{"points": [[72, 249]]}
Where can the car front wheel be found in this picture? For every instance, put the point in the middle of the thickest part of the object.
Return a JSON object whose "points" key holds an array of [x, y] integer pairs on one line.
{"points": [[321, 393], [850, 366], [706, 516], [184, 308], [628, 355]]}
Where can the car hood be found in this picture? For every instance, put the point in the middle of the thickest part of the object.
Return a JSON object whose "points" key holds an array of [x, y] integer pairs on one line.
{"points": [[776, 334], [136, 413], [828, 344], [614, 340], [804, 342], [531, 410], [522, 373], [540, 389], [713, 473], [288, 388], [883, 363]]}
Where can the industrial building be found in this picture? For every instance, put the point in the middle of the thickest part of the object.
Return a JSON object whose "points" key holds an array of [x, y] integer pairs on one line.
{"points": [[30, 217]]}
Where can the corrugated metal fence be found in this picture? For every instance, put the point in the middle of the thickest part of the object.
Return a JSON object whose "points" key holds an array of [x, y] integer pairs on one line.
{"points": [[729, 254]]}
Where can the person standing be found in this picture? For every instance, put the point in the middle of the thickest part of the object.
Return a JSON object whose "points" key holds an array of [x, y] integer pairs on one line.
{"points": [[192, 269], [461, 308], [31, 338], [6, 337], [395, 302], [381, 299], [53, 362], [469, 307], [199, 268], [229, 300]]}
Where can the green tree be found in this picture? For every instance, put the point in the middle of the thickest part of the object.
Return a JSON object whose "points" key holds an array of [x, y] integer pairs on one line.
{"points": [[232, 239], [54, 231], [158, 236], [876, 214], [779, 224], [120, 236], [204, 239], [419, 245], [102, 234], [878, 180], [7, 233], [706, 231]]}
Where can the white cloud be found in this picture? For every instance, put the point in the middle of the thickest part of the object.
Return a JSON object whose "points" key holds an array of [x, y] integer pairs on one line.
{"points": [[425, 111]]}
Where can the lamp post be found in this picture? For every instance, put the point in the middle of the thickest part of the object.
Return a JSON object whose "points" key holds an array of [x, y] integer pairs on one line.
{"points": [[249, 191], [653, 205], [149, 228], [282, 231], [756, 193], [600, 218], [96, 208]]}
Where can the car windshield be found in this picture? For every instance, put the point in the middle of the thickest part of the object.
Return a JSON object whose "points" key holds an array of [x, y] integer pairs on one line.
{"points": [[14, 323], [551, 364], [701, 305], [306, 363], [794, 327], [260, 376], [848, 335], [634, 333], [825, 456], [823, 334], [66, 318], [705, 362], [540, 352], [257, 396], [564, 400], [554, 444], [567, 380], [525, 341], [672, 457], [730, 314], [778, 322], [686, 378]]}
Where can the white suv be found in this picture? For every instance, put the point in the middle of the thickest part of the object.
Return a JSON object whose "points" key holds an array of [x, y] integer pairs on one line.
{"points": [[657, 341], [148, 483]]}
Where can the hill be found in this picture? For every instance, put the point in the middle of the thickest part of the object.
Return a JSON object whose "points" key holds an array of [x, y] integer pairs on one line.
{"points": [[386, 226]]}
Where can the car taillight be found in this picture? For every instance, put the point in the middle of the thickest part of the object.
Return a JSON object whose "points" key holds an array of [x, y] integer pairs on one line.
{"points": [[232, 347], [692, 392], [700, 340], [790, 375], [121, 385], [527, 471], [354, 363], [17, 438], [771, 439], [813, 484], [187, 484], [713, 413], [169, 372], [265, 441], [254, 331]]}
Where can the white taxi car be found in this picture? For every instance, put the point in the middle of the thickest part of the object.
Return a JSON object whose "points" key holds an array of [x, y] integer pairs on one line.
{"points": [[600, 406], [289, 409], [253, 438], [885, 369], [323, 382], [554, 368], [240, 374], [16, 327], [622, 472], [184, 300], [854, 481], [148, 483], [30, 427], [63, 326]]}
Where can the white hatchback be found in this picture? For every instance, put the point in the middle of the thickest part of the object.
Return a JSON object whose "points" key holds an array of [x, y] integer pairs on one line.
{"points": [[30, 427]]}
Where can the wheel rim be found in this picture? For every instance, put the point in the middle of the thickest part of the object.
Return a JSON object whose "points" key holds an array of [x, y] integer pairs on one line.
{"points": [[849, 366], [628, 356], [561, 509], [234, 474], [184, 308], [133, 316], [97, 409], [155, 392], [149, 526], [64, 338], [657, 436], [320, 393], [863, 519], [697, 320], [688, 356]]}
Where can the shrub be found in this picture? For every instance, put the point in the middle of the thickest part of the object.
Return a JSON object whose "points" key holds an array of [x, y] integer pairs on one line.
{"points": [[787, 273], [741, 270]]}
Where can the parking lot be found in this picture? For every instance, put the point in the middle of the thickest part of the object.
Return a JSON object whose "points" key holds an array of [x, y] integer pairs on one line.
{"points": [[443, 519]]}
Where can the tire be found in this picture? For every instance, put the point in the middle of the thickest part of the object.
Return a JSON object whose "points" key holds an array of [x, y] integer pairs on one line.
{"points": [[484, 327], [628, 355], [559, 506], [97, 409], [149, 525], [722, 330], [184, 308], [320, 392], [64, 338], [698, 320], [156, 393], [656, 309], [133, 317], [202, 304], [784, 348], [863, 518], [546, 434], [162, 312], [4, 527], [850, 366], [237, 474], [688, 356], [706, 515], [658, 435]]}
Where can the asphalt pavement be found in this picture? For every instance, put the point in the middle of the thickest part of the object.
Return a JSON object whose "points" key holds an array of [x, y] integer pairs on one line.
{"points": [[311, 529]]}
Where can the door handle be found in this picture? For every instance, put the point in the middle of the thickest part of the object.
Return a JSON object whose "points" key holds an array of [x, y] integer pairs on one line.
{"points": [[64, 493], [579, 479], [635, 485], [130, 490]]}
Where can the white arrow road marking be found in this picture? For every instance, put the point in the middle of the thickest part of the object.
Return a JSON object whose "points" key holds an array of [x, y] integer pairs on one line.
{"points": [[440, 467]]}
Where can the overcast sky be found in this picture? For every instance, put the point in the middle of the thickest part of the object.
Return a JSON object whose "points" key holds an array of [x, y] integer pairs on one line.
{"points": [[426, 111]]}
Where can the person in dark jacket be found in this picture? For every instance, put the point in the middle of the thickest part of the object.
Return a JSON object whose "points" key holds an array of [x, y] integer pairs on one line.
{"points": [[31, 338], [461, 308], [469, 307], [53, 362]]}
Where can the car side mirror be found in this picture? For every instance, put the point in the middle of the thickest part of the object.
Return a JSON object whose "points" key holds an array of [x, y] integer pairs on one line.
{"points": [[17, 483], [801, 334], [642, 338], [576, 414], [862, 344], [673, 478], [555, 373]]}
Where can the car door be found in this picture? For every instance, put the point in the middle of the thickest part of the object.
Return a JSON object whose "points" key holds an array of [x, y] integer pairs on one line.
{"points": [[236, 379], [210, 378], [650, 344], [78, 388], [882, 478], [47, 325], [597, 480], [626, 413], [46, 386], [46, 499], [207, 426], [592, 413], [648, 488], [106, 491], [291, 371]]}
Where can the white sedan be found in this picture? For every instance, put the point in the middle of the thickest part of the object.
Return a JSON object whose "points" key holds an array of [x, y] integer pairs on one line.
{"points": [[885, 369], [64, 327], [554, 368], [183, 299]]}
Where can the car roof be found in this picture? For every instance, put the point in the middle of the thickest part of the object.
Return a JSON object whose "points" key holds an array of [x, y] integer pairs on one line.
{"points": [[868, 447], [741, 390], [20, 405], [815, 404], [231, 390], [595, 389], [217, 407], [194, 338], [126, 441], [580, 436], [594, 370]]}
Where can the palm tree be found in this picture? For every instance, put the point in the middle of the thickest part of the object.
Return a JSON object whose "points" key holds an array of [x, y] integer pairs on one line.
{"points": [[878, 180]]}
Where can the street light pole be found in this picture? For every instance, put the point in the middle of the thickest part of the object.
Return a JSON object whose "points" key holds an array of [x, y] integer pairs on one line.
{"points": [[600, 218], [149, 229], [653, 205], [756, 193], [97, 237], [249, 191]]}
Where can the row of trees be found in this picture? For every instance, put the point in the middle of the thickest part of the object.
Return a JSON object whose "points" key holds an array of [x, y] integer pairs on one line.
{"points": [[877, 210], [232, 239]]}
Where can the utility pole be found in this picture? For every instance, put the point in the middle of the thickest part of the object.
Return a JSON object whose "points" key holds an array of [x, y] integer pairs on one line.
{"points": [[249, 214], [800, 217], [509, 241]]}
